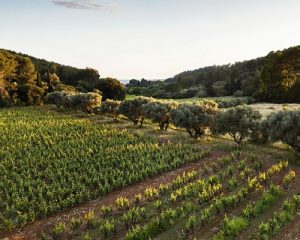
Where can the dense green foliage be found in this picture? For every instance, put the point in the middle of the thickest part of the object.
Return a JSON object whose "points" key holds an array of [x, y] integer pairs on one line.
{"points": [[240, 78], [240, 122], [109, 108], [280, 76], [159, 112], [284, 126], [50, 162], [26, 80], [279, 219], [133, 109], [85, 102], [195, 118], [19, 81], [273, 78]]}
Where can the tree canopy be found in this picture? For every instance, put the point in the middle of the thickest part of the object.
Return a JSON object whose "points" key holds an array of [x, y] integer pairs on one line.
{"points": [[274, 78], [280, 76], [28, 79], [133, 109], [159, 112], [239, 122], [284, 126], [195, 118]]}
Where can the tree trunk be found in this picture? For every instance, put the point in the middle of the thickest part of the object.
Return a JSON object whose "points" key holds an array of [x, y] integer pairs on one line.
{"points": [[142, 121]]}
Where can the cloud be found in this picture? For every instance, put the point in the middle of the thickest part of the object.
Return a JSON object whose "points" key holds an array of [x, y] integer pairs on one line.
{"points": [[86, 4]]}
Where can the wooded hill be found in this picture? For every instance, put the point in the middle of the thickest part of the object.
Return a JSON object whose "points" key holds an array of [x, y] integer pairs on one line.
{"points": [[26, 80], [275, 78]]}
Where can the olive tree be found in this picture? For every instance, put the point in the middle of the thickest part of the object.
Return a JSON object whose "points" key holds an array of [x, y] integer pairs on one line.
{"points": [[284, 126], [159, 112], [85, 102], [239, 122], [195, 118], [133, 110], [56, 98], [79, 101], [110, 108]]}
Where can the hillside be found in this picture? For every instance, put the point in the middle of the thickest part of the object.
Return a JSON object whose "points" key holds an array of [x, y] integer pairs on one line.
{"points": [[27, 80], [67, 74], [275, 77]]}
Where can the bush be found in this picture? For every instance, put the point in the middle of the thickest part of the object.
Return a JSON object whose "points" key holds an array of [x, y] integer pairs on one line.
{"points": [[233, 226], [76, 222], [86, 101], [108, 228], [110, 108], [133, 110], [5, 100], [233, 102], [31, 94], [82, 101], [284, 126], [238, 93], [240, 122], [159, 112], [195, 118], [58, 230], [56, 98]]}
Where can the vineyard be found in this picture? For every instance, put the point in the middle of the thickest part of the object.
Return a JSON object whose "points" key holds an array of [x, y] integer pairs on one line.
{"points": [[52, 162], [185, 207]]}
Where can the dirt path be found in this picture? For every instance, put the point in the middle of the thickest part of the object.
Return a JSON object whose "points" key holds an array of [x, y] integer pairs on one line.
{"points": [[32, 231]]}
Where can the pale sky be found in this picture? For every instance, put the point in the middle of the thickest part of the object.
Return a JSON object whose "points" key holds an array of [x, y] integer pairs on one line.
{"points": [[152, 39]]}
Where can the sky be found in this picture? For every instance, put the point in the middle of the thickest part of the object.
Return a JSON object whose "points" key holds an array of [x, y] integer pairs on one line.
{"points": [[152, 39]]}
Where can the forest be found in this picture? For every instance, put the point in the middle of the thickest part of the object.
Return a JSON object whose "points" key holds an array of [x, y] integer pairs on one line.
{"points": [[273, 78], [25, 80]]}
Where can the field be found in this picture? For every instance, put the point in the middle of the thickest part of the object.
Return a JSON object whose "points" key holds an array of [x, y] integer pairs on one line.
{"points": [[196, 99], [66, 175], [266, 108]]}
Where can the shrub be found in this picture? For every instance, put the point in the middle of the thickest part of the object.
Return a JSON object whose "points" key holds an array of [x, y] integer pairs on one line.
{"points": [[122, 203], [151, 193], [138, 198], [85, 102], [76, 222], [190, 225], [238, 93], [82, 101], [58, 230], [110, 108], [5, 100], [159, 112], [195, 118], [56, 98], [107, 228], [284, 126], [290, 177], [90, 219], [106, 210], [239, 122], [233, 226], [133, 110]]}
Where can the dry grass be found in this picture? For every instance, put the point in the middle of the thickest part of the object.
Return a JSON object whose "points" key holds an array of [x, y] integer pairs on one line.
{"points": [[267, 108]]}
